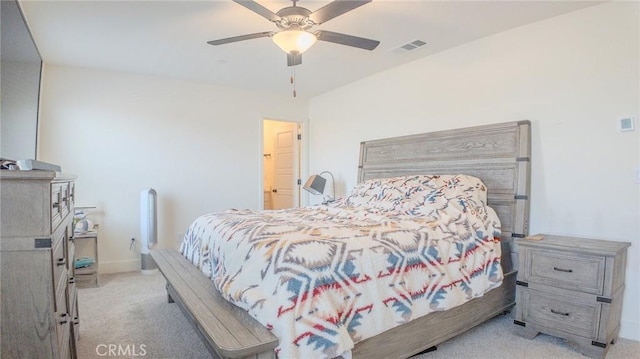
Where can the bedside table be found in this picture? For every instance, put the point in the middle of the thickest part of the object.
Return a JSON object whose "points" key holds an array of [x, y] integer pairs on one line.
{"points": [[571, 288], [89, 273]]}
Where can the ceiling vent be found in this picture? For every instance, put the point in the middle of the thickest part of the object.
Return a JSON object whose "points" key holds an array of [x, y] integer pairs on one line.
{"points": [[408, 47]]}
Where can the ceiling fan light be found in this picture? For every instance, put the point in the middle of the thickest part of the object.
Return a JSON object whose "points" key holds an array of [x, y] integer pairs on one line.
{"points": [[294, 40]]}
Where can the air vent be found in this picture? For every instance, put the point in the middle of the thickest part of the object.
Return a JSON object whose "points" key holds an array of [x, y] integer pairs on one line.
{"points": [[408, 47]]}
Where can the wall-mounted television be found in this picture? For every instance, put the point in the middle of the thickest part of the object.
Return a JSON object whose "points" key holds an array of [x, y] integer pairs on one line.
{"points": [[21, 71]]}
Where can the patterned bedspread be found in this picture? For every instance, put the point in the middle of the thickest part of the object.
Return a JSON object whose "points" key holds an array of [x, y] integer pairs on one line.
{"points": [[322, 278]]}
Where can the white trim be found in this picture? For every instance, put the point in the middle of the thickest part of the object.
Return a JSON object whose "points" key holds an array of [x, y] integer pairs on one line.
{"points": [[131, 265]]}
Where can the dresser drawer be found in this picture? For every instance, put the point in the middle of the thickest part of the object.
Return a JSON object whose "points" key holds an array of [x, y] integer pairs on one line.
{"points": [[62, 317], [73, 299], [66, 199], [59, 261], [61, 292], [72, 289], [565, 270], [72, 195], [73, 310], [562, 312], [56, 205], [63, 339], [71, 255]]}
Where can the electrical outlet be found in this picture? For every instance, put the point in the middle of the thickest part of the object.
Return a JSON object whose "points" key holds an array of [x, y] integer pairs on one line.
{"points": [[179, 237]]}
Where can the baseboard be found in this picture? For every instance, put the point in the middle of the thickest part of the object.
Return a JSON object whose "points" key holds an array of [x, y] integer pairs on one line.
{"points": [[629, 330], [119, 266]]}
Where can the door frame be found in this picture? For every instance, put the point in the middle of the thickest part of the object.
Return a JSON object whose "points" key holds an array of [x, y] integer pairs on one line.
{"points": [[302, 155]]}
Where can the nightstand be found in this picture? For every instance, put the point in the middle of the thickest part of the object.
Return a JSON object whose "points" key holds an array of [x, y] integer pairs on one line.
{"points": [[571, 288], [90, 273]]}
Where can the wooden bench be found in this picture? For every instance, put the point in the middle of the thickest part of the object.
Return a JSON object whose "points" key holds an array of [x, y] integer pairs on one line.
{"points": [[226, 330]]}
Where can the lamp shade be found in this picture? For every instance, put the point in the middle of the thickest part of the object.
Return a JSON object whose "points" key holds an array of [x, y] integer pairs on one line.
{"points": [[294, 40], [315, 184]]}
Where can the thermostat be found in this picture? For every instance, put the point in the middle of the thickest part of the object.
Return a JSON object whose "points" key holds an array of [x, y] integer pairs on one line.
{"points": [[626, 124]]}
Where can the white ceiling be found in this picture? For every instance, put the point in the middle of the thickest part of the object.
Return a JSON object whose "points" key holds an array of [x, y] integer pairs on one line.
{"points": [[168, 38]]}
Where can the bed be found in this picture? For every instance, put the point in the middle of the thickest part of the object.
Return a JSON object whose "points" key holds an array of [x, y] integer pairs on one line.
{"points": [[313, 302]]}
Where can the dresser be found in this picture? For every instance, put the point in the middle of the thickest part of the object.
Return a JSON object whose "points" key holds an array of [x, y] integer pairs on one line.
{"points": [[572, 288], [37, 281]]}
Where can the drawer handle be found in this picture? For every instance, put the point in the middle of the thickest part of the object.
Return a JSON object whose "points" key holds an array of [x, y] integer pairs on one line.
{"points": [[562, 270], [560, 313], [64, 318], [61, 261], [56, 204]]}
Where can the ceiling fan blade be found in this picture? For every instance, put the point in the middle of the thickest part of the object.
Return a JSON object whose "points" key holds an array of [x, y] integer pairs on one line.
{"points": [[294, 58], [240, 38], [334, 9], [259, 9], [348, 40]]}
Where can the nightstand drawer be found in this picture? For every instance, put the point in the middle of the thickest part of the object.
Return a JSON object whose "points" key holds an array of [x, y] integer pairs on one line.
{"points": [[565, 270], [562, 312]]}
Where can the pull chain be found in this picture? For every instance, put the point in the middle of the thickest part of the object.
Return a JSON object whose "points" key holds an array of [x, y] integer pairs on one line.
{"points": [[293, 80]]}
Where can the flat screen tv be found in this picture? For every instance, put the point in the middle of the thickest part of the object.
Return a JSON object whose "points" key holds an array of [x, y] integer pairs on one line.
{"points": [[21, 70]]}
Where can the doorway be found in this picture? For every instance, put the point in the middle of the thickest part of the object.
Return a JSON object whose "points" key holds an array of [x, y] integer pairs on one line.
{"points": [[281, 164]]}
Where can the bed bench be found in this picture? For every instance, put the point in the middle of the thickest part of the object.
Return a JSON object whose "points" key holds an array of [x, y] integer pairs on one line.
{"points": [[226, 330]]}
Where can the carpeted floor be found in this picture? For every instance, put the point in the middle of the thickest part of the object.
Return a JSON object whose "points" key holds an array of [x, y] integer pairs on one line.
{"points": [[129, 314]]}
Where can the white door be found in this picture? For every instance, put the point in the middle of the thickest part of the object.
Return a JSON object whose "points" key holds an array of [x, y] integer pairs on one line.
{"points": [[281, 164], [286, 189]]}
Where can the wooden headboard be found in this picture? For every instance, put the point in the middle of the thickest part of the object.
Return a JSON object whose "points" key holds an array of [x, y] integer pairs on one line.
{"points": [[498, 154]]}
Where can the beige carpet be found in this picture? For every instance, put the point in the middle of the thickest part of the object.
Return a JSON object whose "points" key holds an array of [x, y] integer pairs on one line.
{"points": [[128, 317]]}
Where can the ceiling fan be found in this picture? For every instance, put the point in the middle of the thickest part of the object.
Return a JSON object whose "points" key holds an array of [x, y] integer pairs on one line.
{"points": [[295, 23]]}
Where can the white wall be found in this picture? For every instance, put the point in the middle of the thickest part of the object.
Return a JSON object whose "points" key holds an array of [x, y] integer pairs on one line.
{"points": [[199, 146], [573, 76]]}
